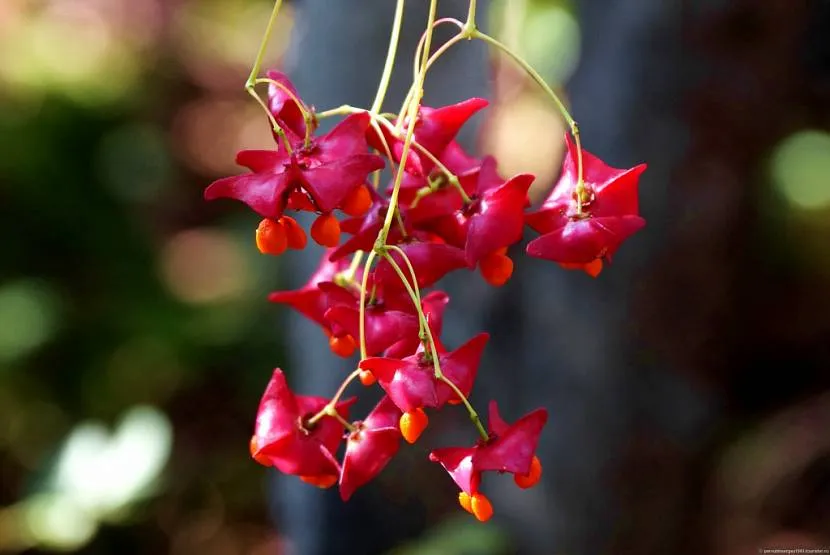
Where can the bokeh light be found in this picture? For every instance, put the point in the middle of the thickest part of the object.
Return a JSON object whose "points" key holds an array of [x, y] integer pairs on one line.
{"points": [[104, 472], [800, 168], [204, 266], [28, 317], [551, 40]]}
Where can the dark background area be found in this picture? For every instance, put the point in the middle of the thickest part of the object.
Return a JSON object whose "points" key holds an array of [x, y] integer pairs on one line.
{"points": [[687, 385]]}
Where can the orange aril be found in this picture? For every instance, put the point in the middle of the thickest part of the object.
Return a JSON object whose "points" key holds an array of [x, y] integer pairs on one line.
{"points": [[592, 268], [413, 424], [326, 230], [532, 477], [465, 501], [322, 481], [342, 346], [294, 233], [481, 507], [367, 378], [358, 202], [496, 268], [271, 237]]}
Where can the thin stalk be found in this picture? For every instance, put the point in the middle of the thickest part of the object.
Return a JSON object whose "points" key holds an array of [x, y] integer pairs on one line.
{"points": [[439, 375], [410, 267], [249, 84], [356, 260], [414, 293], [377, 121], [566, 115], [308, 117], [432, 59], [331, 407], [274, 125], [471, 16], [410, 132], [416, 60], [394, 39], [363, 286]]}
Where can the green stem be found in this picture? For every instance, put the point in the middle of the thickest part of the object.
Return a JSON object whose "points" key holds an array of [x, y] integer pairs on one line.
{"points": [[331, 407], [377, 121], [471, 17], [363, 286], [451, 177], [472, 412], [394, 38], [274, 125], [432, 59], [308, 116], [249, 84], [425, 329], [416, 60], [268, 81], [532, 73], [409, 267], [414, 291], [346, 424], [386, 149], [572, 125], [414, 294], [356, 260], [410, 132]]}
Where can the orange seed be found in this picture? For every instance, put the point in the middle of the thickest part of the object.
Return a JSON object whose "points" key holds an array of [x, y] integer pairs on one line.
{"points": [[465, 501], [342, 346], [295, 234], [271, 237], [358, 202], [322, 481], [594, 267], [496, 268], [413, 424], [532, 477], [367, 378], [481, 507], [326, 230]]}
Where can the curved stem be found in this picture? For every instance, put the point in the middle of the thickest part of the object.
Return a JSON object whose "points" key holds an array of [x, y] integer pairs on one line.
{"points": [[572, 125], [472, 412], [377, 121], [436, 361], [308, 116], [416, 60], [414, 293], [434, 58], [410, 132], [300, 104], [364, 284], [331, 407], [532, 73], [276, 126], [263, 45], [387, 150], [394, 38], [453, 179], [355, 264], [409, 267]]}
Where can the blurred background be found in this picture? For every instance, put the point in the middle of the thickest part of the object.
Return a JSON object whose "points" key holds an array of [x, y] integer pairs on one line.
{"points": [[687, 385]]}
